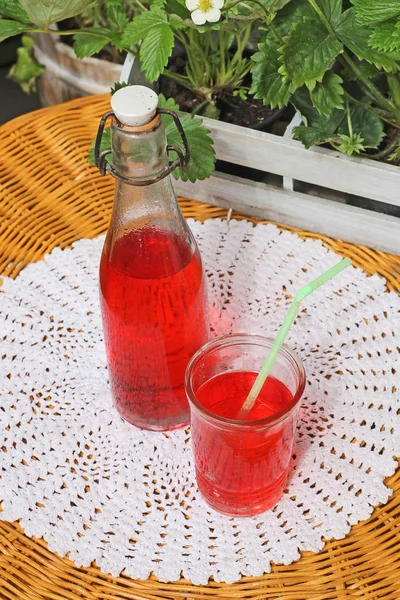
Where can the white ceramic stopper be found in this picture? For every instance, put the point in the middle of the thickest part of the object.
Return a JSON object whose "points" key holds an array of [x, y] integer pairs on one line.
{"points": [[134, 105]]}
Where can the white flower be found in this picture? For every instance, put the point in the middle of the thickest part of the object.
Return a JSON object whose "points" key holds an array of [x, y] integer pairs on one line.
{"points": [[205, 10]]}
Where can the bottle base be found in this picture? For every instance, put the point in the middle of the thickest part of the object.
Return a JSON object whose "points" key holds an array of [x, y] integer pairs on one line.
{"points": [[151, 412], [159, 428], [168, 426]]}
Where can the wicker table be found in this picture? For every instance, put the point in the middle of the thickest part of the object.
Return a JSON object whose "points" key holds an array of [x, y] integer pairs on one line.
{"points": [[50, 196]]}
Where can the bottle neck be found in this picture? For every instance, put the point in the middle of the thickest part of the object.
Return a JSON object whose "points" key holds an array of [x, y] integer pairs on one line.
{"points": [[139, 153]]}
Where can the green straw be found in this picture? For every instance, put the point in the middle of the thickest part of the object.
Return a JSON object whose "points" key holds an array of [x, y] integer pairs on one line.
{"points": [[284, 330]]}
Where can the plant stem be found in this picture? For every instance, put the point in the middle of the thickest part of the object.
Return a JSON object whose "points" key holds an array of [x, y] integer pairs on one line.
{"points": [[375, 93], [184, 81], [334, 146], [372, 110], [75, 31], [203, 65], [237, 58], [349, 123], [70, 32], [142, 6], [261, 5], [226, 8], [322, 17], [386, 150], [199, 108], [394, 87], [222, 54], [192, 66]]}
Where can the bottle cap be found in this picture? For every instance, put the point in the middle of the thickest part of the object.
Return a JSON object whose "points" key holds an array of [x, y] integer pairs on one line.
{"points": [[134, 105]]}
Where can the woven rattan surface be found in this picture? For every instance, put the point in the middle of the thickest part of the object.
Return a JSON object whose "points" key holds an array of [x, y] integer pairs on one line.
{"points": [[50, 196]]}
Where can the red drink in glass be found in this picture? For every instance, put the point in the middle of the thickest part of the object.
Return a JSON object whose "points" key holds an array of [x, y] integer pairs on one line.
{"points": [[242, 465], [153, 301]]}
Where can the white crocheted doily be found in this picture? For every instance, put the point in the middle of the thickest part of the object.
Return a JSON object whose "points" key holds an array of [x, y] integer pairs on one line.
{"points": [[99, 489]]}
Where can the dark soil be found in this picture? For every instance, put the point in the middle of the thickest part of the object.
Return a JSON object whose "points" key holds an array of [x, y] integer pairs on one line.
{"points": [[249, 113], [232, 109], [183, 97]]}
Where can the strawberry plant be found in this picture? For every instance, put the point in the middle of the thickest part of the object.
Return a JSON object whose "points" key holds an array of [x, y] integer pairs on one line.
{"points": [[338, 63]]}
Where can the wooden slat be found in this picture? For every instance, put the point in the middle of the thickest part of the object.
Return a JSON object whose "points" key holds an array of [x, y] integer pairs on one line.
{"points": [[319, 215], [321, 166]]}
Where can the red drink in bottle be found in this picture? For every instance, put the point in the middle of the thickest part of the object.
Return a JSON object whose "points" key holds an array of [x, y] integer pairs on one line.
{"points": [[155, 319], [242, 465]]}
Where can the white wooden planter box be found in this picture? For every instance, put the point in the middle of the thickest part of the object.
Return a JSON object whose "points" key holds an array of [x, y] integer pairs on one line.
{"points": [[318, 166]]}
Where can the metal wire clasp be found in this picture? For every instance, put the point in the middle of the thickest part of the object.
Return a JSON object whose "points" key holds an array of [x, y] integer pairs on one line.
{"points": [[104, 166]]}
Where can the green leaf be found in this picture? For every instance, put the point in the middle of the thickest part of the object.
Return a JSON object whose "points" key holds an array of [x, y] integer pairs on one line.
{"points": [[375, 11], [13, 9], [385, 36], [45, 12], [170, 104], [155, 51], [351, 144], [291, 14], [9, 28], [318, 128], [367, 70], [104, 145], [173, 7], [320, 131], [153, 29], [301, 100], [273, 5], [202, 154], [311, 136], [295, 10], [177, 23], [116, 14], [26, 70], [356, 38], [332, 9], [328, 95], [211, 111], [308, 52], [365, 123], [278, 4], [267, 83], [87, 44], [118, 85], [157, 3], [117, 40], [142, 25]]}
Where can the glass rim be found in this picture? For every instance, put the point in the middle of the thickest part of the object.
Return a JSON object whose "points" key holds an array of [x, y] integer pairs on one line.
{"points": [[232, 339]]}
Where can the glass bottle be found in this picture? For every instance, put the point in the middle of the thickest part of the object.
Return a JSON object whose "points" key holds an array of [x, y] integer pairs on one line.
{"points": [[152, 284]]}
